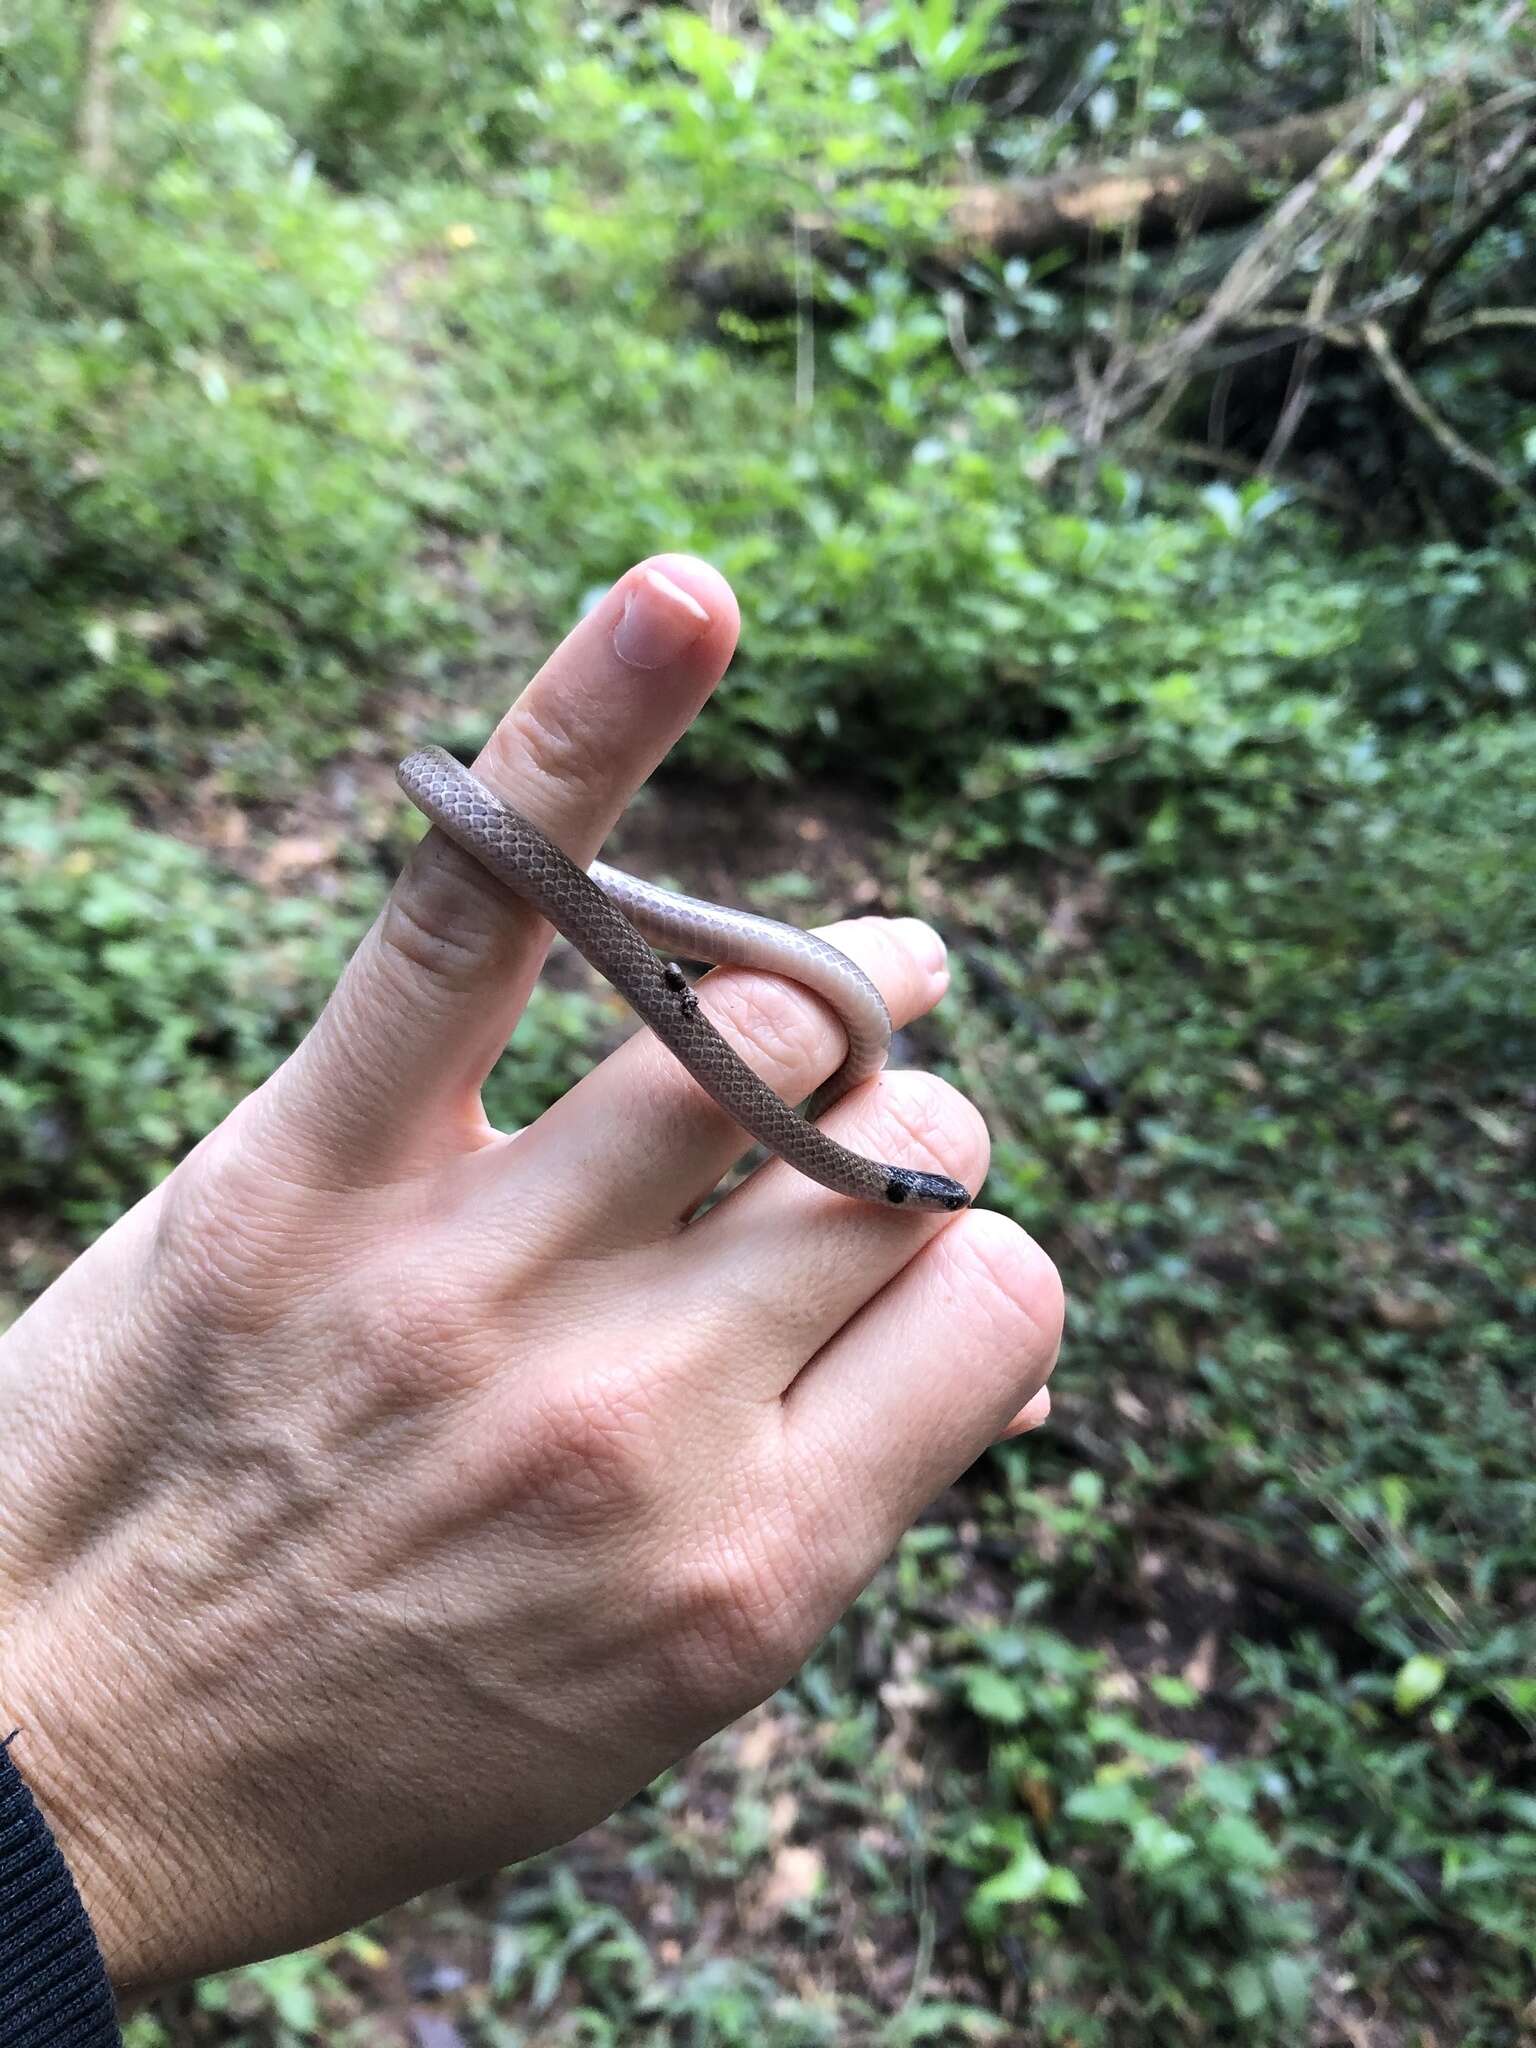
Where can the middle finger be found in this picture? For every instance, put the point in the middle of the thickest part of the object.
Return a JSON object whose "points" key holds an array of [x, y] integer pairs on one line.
{"points": [[631, 1151]]}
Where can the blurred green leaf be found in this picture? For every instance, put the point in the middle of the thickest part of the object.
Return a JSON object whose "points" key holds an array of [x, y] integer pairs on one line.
{"points": [[1418, 1680]]}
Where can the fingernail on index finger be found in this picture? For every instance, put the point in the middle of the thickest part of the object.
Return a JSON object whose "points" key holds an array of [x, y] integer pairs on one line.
{"points": [[927, 947], [659, 620]]}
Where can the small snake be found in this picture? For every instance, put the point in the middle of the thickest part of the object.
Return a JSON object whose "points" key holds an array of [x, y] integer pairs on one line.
{"points": [[611, 918]]}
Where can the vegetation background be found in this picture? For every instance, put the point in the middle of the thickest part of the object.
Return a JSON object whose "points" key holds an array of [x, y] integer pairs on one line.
{"points": [[1137, 572]]}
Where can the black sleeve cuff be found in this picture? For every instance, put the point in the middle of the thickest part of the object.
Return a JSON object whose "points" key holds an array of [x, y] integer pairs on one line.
{"points": [[53, 1986]]}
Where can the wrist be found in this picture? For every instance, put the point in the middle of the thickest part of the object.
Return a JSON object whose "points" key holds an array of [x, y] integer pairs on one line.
{"points": [[85, 1800], [53, 1979]]}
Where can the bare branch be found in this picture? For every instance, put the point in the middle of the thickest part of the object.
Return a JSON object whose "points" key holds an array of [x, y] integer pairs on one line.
{"points": [[1454, 248], [1267, 260], [1300, 385], [1460, 450], [1485, 320], [1214, 182], [959, 340]]}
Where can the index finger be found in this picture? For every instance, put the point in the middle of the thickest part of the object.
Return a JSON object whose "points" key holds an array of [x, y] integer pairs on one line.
{"points": [[391, 1073]]}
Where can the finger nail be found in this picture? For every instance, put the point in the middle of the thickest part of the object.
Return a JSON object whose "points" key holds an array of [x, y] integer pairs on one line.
{"points": [[929, 948], [659, 621], [1030, 1416]]}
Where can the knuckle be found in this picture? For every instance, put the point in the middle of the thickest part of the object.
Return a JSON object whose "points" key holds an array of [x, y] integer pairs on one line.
{"points": [[442, 920], [999, 1271], [535, 739], [749, 1298], [734, 1629], [587, 1457], [777, 1021], [414, 1342], [922, 1111], [188, 1204]]}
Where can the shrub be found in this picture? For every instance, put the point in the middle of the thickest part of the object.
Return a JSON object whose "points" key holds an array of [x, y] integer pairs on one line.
{"points": [[208, 512], [143, 992]]}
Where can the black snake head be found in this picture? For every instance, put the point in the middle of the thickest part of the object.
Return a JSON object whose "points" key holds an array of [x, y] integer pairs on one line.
{"points": [[925, 1190]]}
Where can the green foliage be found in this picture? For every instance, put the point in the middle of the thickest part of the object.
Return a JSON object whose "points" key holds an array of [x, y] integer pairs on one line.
{"points": [[207, 514], [916, 593], [1162, 1838], [1284, 1105], [1446, 633], [1429, 1844], [1397, 923], [828, 105], [417, 88], [143, 993], [1141, 1872]]}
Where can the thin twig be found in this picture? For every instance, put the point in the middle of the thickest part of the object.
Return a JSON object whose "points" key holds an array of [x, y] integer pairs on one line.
{"points": [[1268, 258], [1460, 451], [1485, 320], [1455, 248], [1300, 385]]}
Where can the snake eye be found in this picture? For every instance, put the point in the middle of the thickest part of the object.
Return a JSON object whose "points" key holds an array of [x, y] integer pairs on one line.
{"points": [[926, 1190]]}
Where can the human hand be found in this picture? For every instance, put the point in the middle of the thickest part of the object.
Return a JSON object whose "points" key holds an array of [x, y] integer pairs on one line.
{"points": [[386, 1498]]}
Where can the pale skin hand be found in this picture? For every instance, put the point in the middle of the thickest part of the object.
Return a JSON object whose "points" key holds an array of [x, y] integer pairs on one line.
{"points": [[386, 1499]]}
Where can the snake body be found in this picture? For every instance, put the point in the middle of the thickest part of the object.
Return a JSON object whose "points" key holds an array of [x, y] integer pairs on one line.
{"points": [[615, 921]]}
